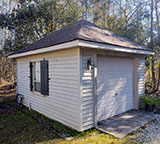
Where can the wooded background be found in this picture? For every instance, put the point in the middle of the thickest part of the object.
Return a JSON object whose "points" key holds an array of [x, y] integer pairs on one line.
{"points": [[25, 21]]}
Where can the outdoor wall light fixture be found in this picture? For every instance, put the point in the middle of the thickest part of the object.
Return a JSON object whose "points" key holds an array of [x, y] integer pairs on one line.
{"points": [[90, 64]]}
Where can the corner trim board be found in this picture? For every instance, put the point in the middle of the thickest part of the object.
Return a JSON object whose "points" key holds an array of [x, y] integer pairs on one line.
{"points": [[135, 83], [95, 88]]}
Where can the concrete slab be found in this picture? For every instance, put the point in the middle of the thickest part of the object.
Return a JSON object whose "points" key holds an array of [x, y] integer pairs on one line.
{"points": [[123, 124]]}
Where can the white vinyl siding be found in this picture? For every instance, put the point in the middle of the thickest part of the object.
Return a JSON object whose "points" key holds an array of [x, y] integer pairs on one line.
{"points": [[141, 72], [62, 104], [71, 86], [87, 84], [87, 92]]}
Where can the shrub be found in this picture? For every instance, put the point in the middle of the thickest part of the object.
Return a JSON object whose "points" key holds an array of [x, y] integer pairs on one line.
{"points": [[149, 103]]}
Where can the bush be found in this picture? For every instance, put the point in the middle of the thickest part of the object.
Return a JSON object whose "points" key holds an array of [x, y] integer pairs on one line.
{"points": [[148, 103]]}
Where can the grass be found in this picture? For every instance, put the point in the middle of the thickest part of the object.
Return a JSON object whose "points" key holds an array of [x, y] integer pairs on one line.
{"points": [[19, 126]]}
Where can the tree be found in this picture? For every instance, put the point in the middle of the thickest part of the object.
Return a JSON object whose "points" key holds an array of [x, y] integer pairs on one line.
{"points": [[25, 21], [151, 45], [158, 46], [33, 20]]}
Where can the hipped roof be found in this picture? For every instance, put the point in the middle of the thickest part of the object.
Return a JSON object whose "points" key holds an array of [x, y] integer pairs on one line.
{"points": [[82, 30]]}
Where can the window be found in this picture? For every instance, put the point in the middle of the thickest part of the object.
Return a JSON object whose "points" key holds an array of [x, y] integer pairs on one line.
{"points": [[39, 77]]}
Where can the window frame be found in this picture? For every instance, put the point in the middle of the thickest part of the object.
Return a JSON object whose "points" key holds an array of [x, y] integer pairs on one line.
{"points": [[34, 76]]}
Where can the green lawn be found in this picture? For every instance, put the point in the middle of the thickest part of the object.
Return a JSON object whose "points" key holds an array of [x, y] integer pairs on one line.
{"points": [[19, 126]]}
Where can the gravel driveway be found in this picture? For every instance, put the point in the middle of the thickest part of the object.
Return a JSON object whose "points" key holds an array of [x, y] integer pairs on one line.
{"points": [[149, 134]]}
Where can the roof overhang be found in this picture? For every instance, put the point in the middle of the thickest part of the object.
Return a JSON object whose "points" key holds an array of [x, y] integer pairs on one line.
{"points": [[83, 43]]}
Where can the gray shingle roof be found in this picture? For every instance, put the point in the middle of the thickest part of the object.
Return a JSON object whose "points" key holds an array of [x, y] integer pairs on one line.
{"points": [[82, 30]]}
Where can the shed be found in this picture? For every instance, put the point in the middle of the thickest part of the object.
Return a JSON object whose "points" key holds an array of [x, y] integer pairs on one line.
{"points": [[81, 75]]}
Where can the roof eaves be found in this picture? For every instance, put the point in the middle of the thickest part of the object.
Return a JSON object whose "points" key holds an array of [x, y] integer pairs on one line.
{"points": [[65, 45], [143, 48], [97, 45], [84, 43]]}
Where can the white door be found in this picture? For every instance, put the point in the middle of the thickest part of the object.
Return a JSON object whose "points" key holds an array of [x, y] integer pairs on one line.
{"points": [[114, 86]]}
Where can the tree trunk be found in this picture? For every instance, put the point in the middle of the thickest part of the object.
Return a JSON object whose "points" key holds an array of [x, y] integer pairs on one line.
{"points": [[95, 12], [158, 27], [158, 83], [104, 13], [85, 9], [151, 44], [153, 74], [158, 22]]}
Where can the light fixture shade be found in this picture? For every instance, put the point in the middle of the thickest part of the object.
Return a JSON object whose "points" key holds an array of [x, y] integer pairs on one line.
{"points": [[90, 64]]}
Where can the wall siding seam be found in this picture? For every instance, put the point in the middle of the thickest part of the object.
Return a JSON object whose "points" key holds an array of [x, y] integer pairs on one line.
{"points": [[87, 91], [141, 76]]}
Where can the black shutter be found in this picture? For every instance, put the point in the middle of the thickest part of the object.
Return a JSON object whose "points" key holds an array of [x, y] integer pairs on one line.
{"points": [[31, 76], [44, 78]]}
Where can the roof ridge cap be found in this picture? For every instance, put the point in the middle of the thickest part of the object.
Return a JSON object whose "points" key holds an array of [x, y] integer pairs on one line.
{"points": [[80, 28]]}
